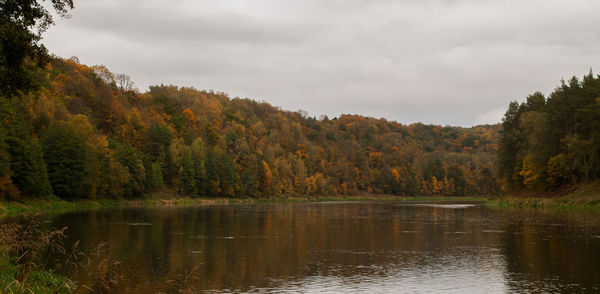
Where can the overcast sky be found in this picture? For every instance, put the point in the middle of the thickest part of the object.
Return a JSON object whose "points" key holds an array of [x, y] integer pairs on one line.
{"points": [[447, 62]]}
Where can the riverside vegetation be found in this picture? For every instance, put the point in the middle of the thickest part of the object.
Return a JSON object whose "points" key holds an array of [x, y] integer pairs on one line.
{"points": [[82, 132], [71, 132], [82, 135], [29, 264]]}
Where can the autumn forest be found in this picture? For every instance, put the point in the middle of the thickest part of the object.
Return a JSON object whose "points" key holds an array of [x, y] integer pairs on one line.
{"points": [[180, 187], [76, 131], [87, 133]]}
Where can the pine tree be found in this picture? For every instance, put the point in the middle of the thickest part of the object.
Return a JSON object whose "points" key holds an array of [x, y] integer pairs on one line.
{"points": [[66, 154]]}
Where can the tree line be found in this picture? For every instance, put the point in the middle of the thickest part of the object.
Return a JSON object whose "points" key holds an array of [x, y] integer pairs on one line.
{"points": [[76, 131], [547, 143], [88, 133]]}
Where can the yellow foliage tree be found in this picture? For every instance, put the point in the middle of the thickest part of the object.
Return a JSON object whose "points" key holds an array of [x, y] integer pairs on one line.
{"points": [[434, 185], [189, 115], [268, 175], [395, 175], [528, 173]]}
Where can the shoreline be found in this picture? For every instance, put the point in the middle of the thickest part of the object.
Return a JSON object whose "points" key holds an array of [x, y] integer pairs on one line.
{"points": [[34, 206], [586, 197], [550, 203]]}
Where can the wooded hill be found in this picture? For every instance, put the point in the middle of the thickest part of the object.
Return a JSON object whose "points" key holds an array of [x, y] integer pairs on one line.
{"points": [[87, 133], [552, 142]]}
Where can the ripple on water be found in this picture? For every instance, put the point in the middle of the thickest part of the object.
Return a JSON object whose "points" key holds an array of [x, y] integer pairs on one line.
{"points": [[449, 206], [139, 224], [349, 248], [493, 231]]}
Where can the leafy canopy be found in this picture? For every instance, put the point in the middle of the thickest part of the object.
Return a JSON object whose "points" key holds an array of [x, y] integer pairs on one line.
{"points": [[22, 23]]}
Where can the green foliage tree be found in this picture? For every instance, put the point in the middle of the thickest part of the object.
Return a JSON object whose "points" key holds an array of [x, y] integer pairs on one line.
{"points": [[549, 143], [128, 157], [22, 23], [155, 177], [205, 143], [198, 160], [27, 166], [158, 138], [7, 188], [188, 173], [67, 155]]}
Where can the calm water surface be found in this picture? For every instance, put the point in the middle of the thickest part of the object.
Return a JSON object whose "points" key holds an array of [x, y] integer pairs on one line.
{"points": [[346, 247]]}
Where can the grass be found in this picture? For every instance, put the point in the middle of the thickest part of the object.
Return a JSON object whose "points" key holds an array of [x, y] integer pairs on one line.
{"points": [[32, 206], [26, 254], [167, 199], [37, 281], [585, 196], [383, 198], [57, 206]]}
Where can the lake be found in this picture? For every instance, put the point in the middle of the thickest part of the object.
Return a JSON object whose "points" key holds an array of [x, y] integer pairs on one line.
{"points": [[375, 247]]}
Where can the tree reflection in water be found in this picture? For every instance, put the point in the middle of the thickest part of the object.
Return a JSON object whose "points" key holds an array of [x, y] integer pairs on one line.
{"points": [[382, 247]]}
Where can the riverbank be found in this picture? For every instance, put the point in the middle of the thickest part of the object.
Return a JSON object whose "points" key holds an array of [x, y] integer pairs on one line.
{"points": [[33, 206], [36, 281], [586, 196]]}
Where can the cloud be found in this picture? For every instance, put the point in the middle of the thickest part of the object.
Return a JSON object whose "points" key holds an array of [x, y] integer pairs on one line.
{"points": [[491, 117], [153, 24], [437, 61]]}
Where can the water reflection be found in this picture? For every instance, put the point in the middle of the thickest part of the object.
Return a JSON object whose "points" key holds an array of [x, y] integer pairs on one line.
{"points": [[346, 247]]}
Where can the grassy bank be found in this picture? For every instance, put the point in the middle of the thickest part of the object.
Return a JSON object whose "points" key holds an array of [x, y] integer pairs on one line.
{"points": [[56, 205], [13, 279], [13, 208], [26, 251], [585, 196], [383, 198]]}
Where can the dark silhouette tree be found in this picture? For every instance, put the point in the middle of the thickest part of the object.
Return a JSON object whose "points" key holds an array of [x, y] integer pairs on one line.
{"points": [[67, 157], [22, 23]]}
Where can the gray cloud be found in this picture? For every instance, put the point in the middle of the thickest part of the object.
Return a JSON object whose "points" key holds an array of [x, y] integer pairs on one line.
{"points": [[150, 24], [437, 61]]}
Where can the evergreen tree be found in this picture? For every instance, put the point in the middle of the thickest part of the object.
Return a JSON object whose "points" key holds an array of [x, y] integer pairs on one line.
{"points": [[20, 50], [66, 154], [28, 169], [198, 160], [188, 175], [128, 157], [7, 188]]}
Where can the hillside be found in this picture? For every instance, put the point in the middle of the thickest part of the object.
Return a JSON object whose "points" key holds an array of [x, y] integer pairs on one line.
{"points": [[552, 143], [87, 133]]}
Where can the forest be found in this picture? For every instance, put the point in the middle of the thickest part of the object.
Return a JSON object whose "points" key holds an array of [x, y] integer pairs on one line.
{"points": [[547, 143], [84, 132], [74, 131]]}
